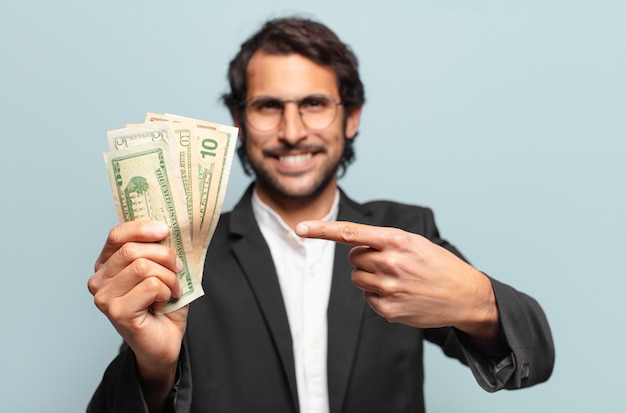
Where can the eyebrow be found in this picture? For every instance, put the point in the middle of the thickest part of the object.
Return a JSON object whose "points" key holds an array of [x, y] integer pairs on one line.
{"points": [[296, 99]]}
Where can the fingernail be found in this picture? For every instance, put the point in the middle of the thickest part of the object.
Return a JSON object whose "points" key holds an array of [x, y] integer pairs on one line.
{"points": [[302, 229], [179, 265], [179, 293], [161, 228]]}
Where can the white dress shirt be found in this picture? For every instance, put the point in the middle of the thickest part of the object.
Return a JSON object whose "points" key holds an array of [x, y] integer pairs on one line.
{"points": [[304, 268]]}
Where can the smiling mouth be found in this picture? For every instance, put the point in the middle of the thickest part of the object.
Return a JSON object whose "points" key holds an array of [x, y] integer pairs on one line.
{"points": [[295, 159]]}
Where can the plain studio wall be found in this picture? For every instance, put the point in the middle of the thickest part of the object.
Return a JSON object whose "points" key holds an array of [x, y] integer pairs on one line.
{"points": [[505, 117]]}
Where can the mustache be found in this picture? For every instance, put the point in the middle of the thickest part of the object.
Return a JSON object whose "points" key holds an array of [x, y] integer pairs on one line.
{"points": [[286, 149]]}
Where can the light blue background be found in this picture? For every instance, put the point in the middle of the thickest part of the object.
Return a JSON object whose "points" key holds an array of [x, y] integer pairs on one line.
{"points": [[506, 117]]}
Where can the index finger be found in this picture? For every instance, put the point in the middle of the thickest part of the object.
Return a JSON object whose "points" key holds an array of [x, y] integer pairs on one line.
{"points": [[345, 232], [137, 231]]}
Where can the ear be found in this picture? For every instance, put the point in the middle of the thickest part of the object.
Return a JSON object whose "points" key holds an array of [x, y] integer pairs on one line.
{"points": [[237, 124], [352, 122]]}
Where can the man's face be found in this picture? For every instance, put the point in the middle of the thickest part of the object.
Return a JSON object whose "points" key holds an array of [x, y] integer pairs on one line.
{"points": [[293, 161]]}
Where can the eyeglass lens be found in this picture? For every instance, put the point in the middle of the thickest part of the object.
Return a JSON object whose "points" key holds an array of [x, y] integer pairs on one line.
{"points": [[316, 111]]}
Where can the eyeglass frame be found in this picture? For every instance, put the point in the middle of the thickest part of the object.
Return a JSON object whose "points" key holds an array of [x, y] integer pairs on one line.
{"points": [[244, 106]]}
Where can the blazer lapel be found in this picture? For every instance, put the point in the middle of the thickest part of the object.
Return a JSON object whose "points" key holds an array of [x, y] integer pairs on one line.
{"points": [[255, 258], [345, 307], [345, 312]]}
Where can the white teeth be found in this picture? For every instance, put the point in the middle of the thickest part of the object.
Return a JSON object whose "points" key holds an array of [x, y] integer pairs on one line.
{"points": [[294, 159]]}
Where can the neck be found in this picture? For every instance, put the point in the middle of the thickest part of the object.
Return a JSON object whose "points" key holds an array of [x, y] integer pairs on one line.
{"points": [[294, 210]]}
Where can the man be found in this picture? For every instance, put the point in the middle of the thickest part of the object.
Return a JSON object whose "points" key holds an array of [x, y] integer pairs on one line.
{"points": [[283, 326]]}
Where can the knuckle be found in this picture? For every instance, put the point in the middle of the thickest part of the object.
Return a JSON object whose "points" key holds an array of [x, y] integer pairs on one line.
{"points": [[92, 284], [128, 252], [348, 233], [115, 235], [388, 286], [388, 263], [158, 289], [115, 312], [141, 266], [398, 239], [101, 303], [153, 284]]}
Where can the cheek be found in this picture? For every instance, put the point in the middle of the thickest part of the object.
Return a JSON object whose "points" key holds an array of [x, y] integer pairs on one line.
{"points": [[338, 143], [253, 144], [258, 140]]}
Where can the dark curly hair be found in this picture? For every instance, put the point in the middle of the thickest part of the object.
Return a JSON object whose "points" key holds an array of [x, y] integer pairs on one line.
{"points": [[312, 40]]}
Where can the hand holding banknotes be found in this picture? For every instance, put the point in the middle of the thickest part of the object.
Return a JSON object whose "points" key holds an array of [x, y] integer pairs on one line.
{"points": [[168, 176], [174, 170], [134, 274]]}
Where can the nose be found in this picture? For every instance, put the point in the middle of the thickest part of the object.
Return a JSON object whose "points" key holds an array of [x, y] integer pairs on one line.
{"points": [[292, 129]]}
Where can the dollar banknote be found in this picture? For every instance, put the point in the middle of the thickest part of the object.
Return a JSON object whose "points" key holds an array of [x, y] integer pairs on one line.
{"points": [[213, 150], [138, 134], [174, 170]]}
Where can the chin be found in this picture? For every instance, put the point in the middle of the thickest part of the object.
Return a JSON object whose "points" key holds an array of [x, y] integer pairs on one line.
{"points": [[295, 191]]}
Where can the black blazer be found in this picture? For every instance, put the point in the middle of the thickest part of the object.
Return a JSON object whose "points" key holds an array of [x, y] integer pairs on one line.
{"points": [[237, 354]]}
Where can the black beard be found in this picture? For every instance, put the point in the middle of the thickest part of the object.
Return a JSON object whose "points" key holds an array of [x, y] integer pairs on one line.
{"points": [[272, 187], [275, 190]]}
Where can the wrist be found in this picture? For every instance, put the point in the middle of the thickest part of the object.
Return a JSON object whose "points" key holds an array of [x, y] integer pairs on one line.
{"points": [[482, 321], [157, 381]]}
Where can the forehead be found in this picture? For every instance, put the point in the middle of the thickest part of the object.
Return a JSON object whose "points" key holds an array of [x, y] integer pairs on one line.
{"points": [[288, 77]]}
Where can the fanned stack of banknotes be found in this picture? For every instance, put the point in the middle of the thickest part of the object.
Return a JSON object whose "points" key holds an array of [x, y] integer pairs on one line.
{"points": [[175, 170]]}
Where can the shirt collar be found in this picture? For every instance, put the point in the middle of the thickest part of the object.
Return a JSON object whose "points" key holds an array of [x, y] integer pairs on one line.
{"points": [[268, 218]]}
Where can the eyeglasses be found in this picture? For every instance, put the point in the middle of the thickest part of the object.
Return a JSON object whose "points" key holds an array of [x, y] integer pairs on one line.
{"points": [[266, 113]]}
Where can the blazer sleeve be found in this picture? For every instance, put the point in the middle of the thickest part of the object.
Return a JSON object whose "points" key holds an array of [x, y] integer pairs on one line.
{"points": [[526, 344], [525, 330], [120, 390]]}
